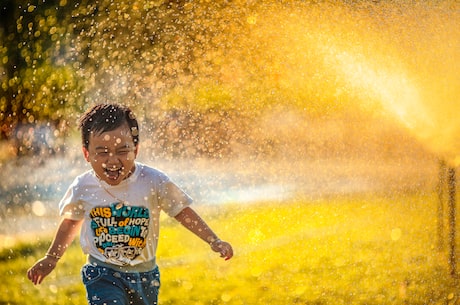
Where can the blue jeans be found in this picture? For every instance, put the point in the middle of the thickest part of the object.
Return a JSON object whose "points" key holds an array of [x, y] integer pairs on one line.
{"points": [[106, 286]]}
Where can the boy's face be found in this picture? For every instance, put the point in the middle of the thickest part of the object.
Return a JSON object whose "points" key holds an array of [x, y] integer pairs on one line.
{"points": [[112, 154]]}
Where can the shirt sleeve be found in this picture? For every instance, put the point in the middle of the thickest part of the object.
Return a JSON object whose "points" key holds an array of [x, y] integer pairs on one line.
{"points": [[172, 198], [70, 205]]}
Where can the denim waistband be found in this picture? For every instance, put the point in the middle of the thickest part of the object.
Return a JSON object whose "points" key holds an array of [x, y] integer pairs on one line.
{"points": [[142, 267]]}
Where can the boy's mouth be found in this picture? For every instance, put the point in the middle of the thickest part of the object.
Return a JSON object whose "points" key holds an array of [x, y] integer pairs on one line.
{"points": [[113, 173]]}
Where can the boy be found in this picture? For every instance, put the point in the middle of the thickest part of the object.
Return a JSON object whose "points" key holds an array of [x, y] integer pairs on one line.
{"points": [[116, 206]]}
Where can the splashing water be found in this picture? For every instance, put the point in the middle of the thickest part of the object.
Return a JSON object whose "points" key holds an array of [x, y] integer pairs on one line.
{"points": [[386, 60], [401, 57], [422, 97], [391, 59]]}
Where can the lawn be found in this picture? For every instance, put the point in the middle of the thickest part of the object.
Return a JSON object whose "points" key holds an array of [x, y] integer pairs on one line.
{"points": [[366, 249]]}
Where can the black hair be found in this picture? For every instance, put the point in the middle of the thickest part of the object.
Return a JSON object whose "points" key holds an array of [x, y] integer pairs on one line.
{"points": [[107, 117]]}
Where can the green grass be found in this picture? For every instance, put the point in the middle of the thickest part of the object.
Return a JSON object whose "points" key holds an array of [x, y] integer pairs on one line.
{"points": [[357, 250]]}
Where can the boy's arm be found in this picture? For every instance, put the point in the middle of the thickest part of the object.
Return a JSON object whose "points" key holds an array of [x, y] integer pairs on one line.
{"points": [[65, 234], [192, 221]]}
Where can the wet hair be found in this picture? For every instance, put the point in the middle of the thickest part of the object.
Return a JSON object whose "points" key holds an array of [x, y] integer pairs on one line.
{"points": [[107, 117]]}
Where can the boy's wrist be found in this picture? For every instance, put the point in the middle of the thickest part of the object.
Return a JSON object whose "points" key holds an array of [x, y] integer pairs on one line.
{"points": [[214, 241]]}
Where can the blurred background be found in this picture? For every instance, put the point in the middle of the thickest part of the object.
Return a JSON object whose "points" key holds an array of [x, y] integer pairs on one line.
{"points": [[238, 100]]}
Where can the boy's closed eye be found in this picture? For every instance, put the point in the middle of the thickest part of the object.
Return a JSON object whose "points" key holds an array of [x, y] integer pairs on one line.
{"points": [[124, 151], [102, 153], [119, 152]]}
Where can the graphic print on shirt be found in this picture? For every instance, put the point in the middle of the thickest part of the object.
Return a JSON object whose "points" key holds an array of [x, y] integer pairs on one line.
{"points": [[120, 233]]}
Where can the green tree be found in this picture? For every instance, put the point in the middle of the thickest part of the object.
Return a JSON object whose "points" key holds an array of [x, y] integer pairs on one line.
{"points": [[37, 82]]}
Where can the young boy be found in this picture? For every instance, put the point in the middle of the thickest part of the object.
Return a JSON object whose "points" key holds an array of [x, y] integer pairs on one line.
{"points": [[116, 206]]}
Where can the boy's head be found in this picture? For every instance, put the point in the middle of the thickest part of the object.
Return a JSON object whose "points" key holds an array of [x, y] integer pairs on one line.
{"points": [[107, 117], [110, 136]]}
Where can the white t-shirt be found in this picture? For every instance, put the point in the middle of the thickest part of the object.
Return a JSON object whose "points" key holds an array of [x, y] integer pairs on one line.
{"points": [[121, 223]]}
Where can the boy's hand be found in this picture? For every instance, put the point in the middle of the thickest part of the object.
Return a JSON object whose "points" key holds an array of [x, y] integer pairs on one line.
{"points": [[41, 269], [223, 247]]}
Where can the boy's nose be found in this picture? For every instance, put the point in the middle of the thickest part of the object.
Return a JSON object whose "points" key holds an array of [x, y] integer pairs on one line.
{"points": [[112, 161], [112, 156]]}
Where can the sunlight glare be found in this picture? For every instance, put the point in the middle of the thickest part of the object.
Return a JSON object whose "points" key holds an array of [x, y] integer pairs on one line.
{"points": [[38, 208]]}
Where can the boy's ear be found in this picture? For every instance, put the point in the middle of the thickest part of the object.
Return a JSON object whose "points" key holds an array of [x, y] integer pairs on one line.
{"points": [[85, 153]]}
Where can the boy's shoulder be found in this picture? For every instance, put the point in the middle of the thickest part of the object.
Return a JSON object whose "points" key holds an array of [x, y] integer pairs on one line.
{"points": [[145, 170], [86, 177]]}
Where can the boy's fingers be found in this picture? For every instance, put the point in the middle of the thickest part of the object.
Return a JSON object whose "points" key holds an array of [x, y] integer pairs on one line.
{"points": [[227, 253], [38, 279], [30, 274], [34, 277]]}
